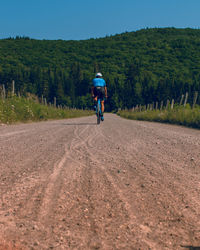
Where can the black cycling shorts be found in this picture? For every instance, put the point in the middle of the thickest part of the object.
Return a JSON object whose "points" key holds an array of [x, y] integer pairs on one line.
{"points": [[100, 92]]}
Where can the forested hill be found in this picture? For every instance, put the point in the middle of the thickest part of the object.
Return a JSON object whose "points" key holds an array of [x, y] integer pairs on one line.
{"points": [[140, 67]]}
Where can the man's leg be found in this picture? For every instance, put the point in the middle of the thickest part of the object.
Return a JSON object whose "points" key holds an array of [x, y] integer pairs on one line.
{"points": [[102, 106], [95, 103], [102, 110]]}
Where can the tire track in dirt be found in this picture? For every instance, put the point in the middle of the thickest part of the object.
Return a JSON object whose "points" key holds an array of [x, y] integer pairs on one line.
{"points": [[13, 133], [79, 150], [102, 171], [94, 234], [50, 189], [142, 230], [76, 199]]}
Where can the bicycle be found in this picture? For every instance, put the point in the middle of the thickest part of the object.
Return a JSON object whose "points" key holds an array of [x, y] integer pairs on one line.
{"points": [[98, 111]]}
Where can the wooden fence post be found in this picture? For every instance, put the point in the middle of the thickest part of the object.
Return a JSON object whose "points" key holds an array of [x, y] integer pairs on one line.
{"points": [[167, 104], [13, 87], [4, 92], [172, 104], [195, 99], [156, 105], [161, 105], [181, 101], [54, 101], [186, 97]]}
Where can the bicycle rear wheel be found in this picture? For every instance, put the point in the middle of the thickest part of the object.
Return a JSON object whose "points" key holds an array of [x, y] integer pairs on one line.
{"points": [[98, 112]]}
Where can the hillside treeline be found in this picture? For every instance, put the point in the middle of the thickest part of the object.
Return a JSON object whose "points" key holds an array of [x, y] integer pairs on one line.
{"points": [[139, 67]]}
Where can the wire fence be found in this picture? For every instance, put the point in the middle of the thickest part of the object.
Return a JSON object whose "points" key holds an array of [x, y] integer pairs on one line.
{"points": [[169, 104], [4, 93]]}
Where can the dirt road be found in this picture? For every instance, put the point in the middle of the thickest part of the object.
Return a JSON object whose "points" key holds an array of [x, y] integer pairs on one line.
{"points": [[125, 184]]}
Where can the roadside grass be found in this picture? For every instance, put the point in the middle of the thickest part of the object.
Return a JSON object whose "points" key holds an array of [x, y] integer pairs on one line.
{"points": [[21, 109], [179, 115]]}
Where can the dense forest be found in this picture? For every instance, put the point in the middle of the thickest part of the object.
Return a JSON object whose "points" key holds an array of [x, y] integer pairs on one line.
{"points": [[139, 67]]}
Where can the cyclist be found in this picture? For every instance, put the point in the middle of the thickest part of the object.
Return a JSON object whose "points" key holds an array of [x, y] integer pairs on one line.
{"points": [[99, 89]]}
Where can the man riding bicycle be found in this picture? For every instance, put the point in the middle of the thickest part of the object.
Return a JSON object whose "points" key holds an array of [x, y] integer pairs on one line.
{"points": [[99, 89]]}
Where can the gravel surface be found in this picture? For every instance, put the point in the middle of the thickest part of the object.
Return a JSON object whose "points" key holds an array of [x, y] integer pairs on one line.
{"points": [[72, 184]]}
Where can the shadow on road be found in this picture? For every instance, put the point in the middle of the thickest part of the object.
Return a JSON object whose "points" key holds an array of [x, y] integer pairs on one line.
{"points": [[191, 247], [79, 124]]}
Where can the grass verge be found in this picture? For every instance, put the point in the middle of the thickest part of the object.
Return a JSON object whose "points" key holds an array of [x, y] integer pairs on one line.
{"points": [[179, 115], [15, 109]]}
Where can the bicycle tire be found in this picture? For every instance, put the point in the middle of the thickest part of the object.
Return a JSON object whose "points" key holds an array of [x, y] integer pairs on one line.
{"points": [[98, 113]]}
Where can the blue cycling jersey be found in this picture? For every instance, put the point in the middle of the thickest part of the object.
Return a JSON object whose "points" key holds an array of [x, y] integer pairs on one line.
{"points": [[99, 82]]}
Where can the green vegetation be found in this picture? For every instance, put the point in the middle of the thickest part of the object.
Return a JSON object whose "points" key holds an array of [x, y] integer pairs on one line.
{"points": [[15, 109], [149, 65], [179, 115]]}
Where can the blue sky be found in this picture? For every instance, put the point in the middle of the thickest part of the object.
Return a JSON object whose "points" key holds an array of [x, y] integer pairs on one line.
{"points": [[84, 19]]}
